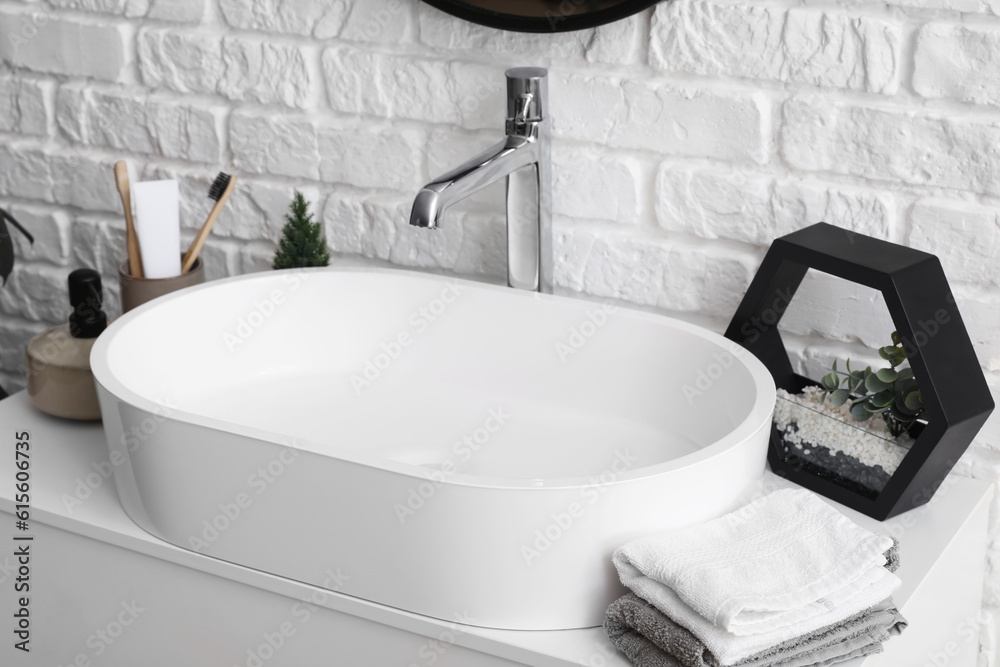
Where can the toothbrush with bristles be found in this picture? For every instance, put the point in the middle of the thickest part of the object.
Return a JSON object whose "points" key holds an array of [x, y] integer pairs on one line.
{"points": [[222, 187]]}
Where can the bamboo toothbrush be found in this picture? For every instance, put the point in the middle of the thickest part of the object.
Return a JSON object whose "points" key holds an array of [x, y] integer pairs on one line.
{"points": [[222, 187], [131, 239]]}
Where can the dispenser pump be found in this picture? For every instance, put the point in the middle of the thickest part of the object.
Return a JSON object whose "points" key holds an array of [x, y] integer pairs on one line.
{"points": [[86, 298]]}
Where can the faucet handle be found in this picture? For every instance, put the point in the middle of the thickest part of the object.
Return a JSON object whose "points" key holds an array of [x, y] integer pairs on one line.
{"points": [[524, 102], [527, 94]]}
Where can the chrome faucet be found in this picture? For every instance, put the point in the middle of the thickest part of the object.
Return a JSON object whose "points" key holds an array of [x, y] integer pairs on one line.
{"points": [[523, 157]]}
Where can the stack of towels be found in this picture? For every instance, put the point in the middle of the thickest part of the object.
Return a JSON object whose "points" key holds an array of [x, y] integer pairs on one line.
{"points": [[786, 581]]}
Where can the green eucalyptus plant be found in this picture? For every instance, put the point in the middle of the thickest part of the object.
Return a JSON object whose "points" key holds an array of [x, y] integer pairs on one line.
{"points": [[891, 392]]}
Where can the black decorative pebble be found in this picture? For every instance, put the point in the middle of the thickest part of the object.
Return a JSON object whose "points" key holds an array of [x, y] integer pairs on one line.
{"points": [[840, 467]]}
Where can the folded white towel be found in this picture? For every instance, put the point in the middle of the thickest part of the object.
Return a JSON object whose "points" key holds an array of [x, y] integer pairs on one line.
{"points": [[729, 648], [782, 560]]}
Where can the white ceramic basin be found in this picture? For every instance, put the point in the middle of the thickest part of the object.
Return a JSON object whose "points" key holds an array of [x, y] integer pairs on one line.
{"points": [[445, 447]]}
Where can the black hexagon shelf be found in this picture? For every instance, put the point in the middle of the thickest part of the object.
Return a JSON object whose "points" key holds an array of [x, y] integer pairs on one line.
{"points": [[938, 347]]}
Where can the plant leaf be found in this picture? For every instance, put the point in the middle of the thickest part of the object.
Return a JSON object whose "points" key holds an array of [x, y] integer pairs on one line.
{"points": [[874, 384], [886, 352], [887, 375], [7, 244], [883, 399], [839, 397], [905, 373], [895, 338], [899, 405], [6, 251], [17, 225], [914, 401], [860, 412], [906, 421], [830, 382]]}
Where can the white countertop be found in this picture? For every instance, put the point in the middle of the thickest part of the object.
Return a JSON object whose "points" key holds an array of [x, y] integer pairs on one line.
{"points": [[69, 462]]}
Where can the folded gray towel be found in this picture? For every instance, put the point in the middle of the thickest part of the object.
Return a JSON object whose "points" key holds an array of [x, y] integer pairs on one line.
{"points": [[865, 632], [649, 638], [892, 556]]}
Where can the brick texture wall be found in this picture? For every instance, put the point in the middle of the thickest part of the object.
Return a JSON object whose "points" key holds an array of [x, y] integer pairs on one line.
{"points": [[687, 137]]}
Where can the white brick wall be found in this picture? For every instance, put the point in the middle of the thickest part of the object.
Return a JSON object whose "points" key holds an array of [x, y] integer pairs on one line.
{"points": [[686, 139]]}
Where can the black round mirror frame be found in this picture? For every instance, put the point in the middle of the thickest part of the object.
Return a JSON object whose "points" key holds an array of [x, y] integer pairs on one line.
{"points": [[554, 21]]}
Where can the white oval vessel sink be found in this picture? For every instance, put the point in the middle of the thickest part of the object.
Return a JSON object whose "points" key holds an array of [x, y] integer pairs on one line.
{"points": [[445, 447]]}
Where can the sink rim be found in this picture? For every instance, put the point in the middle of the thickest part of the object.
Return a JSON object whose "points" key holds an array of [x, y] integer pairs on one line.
{"points": [[759, 415]]}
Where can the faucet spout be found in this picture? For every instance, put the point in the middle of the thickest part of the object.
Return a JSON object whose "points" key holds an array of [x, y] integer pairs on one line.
{"points": [[522, 158], [472, 176], [426, 210]]}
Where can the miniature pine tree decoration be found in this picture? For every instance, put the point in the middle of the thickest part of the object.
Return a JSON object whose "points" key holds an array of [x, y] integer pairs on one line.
{"points": [[302, 242]]}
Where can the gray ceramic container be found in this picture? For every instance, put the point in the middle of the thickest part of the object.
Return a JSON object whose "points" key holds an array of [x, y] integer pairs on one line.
{"points": [[137, 291]]}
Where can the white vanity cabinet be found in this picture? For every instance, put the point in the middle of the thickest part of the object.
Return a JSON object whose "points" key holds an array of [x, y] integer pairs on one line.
{"points": [[103, 592]]}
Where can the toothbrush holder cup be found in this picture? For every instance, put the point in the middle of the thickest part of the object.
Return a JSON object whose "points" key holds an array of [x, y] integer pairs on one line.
{"points": [[137, 291]]}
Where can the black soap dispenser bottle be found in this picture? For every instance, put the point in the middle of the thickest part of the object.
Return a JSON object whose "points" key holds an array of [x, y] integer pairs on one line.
{"points": [[60, 382]]}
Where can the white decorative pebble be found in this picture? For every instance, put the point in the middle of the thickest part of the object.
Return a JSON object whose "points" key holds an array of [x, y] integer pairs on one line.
{"points": [[803, 419]]}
